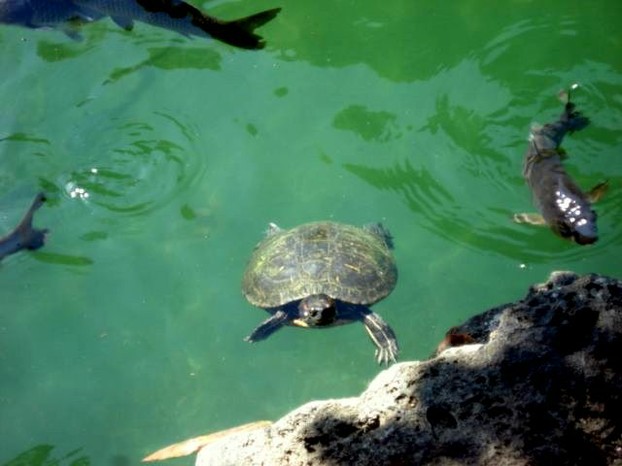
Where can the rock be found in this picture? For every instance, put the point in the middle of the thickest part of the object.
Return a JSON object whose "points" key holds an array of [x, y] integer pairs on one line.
{"points": [[538, 382]]}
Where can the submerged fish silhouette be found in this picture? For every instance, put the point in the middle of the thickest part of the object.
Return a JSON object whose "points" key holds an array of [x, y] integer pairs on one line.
{"points": [[24, 236], [563, 206], [174, 15]]}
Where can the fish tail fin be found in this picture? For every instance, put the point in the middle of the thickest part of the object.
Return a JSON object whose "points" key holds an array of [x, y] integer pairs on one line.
{"points": [[573, 119], [30, 237], [240, 32]]}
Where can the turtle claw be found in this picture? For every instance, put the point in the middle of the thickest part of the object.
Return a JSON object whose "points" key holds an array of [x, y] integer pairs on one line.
{"points": [[383, 337], [386, 355]]}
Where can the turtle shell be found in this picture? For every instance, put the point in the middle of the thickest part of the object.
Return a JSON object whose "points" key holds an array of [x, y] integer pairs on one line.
{"points": [[345, 262]]}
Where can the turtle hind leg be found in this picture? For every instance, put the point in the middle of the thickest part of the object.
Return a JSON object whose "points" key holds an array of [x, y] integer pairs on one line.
{"points": [[381, 232], [529, 218], [382, 336], [268, 326]]}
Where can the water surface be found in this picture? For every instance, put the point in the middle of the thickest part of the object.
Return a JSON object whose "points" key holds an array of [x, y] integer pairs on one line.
{"points": [[165, 158]]}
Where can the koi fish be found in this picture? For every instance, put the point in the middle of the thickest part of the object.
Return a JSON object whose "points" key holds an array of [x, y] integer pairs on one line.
{"points": [[24, 236], [193, 445], [563, 206]]}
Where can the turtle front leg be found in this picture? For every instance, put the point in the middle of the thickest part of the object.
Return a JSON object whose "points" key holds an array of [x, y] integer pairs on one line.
{"points": [[382, 336], [268, 326]]}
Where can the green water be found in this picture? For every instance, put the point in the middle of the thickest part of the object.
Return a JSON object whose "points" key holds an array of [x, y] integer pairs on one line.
{"points": [[124, 333]]}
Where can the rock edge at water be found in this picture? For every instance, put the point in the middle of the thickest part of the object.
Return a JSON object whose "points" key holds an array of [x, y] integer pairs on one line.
{"points": [[539, 384]]}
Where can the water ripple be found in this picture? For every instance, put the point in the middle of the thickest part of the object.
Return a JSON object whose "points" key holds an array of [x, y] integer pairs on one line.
{"points": [[144, 164], [478, 225]]}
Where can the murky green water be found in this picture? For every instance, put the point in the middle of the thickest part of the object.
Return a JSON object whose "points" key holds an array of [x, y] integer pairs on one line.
{"points": [[124, 333]]}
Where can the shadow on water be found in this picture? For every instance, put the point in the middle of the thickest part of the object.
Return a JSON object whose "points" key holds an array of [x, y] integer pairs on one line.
{"points": [[59, 51], [172, 58], [42, 455], [476, 135], [379, 126], [62, 259], [23, 137], [351, 36]]}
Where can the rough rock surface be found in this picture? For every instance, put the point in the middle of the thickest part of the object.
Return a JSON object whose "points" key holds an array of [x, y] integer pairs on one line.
{"points": [[539, 383]]}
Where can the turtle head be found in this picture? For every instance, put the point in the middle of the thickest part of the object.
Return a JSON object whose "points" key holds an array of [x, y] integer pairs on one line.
{"points": [[316, 311]]}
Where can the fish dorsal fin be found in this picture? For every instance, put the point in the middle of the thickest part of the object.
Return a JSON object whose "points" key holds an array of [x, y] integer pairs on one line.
{"points": [[125, 23]]}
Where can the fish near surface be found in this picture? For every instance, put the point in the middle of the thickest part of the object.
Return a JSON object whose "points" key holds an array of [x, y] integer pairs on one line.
{"points": [[61, 14], [563, 206], [174, 15], [181, 17], [24, 236]]}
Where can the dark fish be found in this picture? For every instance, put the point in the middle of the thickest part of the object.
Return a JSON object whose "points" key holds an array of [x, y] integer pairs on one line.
{"points": [[61, 14], [174, 15], [563, 206], [24, 236]]}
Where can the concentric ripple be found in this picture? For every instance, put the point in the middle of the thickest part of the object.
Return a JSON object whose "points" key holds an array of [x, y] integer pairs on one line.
{"points": [[142, 166]]}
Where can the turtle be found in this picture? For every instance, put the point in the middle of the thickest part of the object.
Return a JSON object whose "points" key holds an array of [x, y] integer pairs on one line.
{"points": [[322, 274]]}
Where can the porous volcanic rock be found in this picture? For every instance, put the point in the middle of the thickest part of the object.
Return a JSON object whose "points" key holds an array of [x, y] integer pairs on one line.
{"points": [[536, 382]]}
